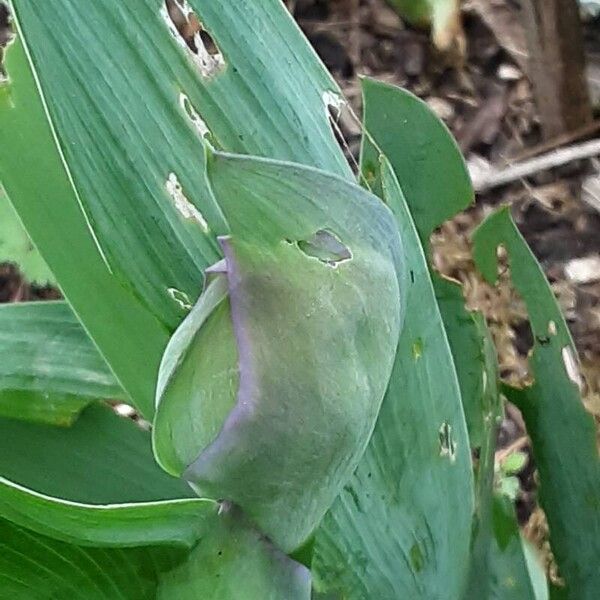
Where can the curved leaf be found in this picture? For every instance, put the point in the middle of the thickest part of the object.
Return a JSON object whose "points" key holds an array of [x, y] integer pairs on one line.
{"points": [[198, 381], [119, 149], [101, 459], [174, 522], [315, 277], [422, 153], [50, 369], [234, 562], [562, 432], [402, 525]]}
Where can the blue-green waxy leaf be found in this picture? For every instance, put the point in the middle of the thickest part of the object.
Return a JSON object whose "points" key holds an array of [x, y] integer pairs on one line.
{"points": [[562, 432], [106, 109], [50, 369], [236, 562], [315, 277], [101, 459], [402, 526], [198, 381]]}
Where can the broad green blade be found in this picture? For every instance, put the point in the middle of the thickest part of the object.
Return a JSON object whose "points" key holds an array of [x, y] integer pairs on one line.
{"points": [[175, 522], [198, 381], [17, 248], [101, 459], [316, 280], [562, 432], [130, 102], [35, 567], [31, 169], [422, 152], [50, 369], [402, 526], [235, 562], [515, 572]]}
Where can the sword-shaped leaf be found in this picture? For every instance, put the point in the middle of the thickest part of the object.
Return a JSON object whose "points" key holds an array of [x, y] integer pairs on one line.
{"points": [[104, 115], [562, 432]]}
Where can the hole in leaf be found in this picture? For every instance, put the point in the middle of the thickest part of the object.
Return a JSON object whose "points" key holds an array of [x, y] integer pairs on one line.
{"points": [[6, 37], [190, 33], [186, 209], [343, 124], [447, 444], [193, 116], [326, 247], [181, 298], [572, 366]]}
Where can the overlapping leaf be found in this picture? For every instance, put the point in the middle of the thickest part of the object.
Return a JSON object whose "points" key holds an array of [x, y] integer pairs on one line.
{"points": [[50, 369], [562, 432], [130, 101], [402, 525], [315, 277], [101, 459]]}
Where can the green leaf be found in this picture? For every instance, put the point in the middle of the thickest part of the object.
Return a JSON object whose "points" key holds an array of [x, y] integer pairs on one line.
{"points": [[16, 247], [175, 522], [35, 567], [50, 369], [101, 459], [196, 388], [422, 153], [130, 103], [476, 363], [562, 432], [515, 571], [315, 277], [402, 526], [442, 15], [32, 168], [235, 562]]}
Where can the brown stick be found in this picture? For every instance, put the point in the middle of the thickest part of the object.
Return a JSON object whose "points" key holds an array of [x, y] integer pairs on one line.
{"points": [[557, 64]]}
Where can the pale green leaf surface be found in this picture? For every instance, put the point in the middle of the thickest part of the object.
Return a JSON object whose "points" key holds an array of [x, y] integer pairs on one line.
{"points": [[402, 526], [16, 247], [235, 562], [101, 459], [50, 369], [198, 381], [34, 176], [316, 339], [35, 567], [172, 522], [562, 432], [129, 104]]}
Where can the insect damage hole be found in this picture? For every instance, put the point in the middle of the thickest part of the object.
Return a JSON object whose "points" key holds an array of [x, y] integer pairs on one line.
{"points": [[327, 247], [6, 37], [447, 443], [336, 109], [192, 114], [186, 209], [181, 298], [192, 36], [572, 366]]}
